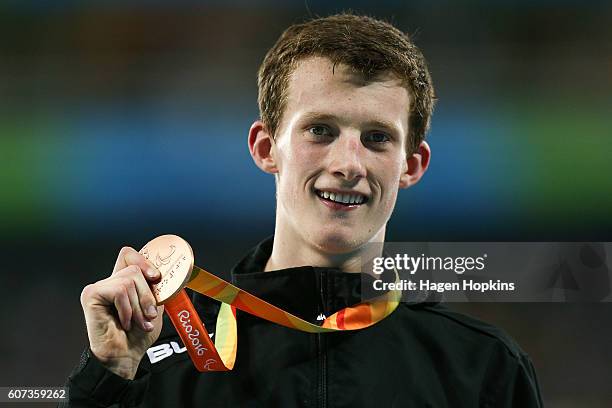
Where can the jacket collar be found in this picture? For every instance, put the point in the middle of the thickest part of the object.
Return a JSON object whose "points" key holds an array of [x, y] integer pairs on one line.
{"points": [[309, 291], [305, 291]]}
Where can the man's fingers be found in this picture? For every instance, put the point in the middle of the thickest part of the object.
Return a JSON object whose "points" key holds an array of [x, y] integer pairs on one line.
{"points": [[131, 295], [109, 292], [140, 295], [124, 254], [129, 256], [124, 309], [137, 315]]}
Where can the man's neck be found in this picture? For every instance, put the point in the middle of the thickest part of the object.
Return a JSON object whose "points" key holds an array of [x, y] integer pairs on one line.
{"points": [[292, 250]]}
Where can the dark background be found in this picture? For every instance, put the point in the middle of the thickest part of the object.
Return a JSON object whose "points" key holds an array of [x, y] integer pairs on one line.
{"points": [[121, 121]]}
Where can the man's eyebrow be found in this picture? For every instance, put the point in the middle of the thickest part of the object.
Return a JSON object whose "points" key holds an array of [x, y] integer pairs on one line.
{"points": [[383, 124], [314, 116]]}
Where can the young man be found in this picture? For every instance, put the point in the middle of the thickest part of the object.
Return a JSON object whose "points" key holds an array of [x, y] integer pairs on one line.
{"points": [[345, 103]]}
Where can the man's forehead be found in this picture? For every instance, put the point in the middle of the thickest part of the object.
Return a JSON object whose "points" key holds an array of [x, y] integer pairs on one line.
{"points": [[322, 68], [317, 84]]}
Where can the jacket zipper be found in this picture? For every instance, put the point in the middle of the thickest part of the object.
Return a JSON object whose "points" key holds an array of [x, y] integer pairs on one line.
{"points": [[322, 386]]}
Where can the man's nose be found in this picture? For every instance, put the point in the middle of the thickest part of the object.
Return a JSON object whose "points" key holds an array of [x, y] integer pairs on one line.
{"points": [[347, 157]]}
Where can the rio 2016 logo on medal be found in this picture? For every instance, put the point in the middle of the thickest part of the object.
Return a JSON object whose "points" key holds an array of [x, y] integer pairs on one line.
{"points": [[173, 256]]}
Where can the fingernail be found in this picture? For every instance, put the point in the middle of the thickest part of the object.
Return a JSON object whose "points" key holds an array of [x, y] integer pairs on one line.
{"points": [[152, 273], [148, 326], [152, 311]]}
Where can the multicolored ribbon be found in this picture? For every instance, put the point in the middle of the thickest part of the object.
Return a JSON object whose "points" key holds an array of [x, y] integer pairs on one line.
{"points": [[221, 355]]}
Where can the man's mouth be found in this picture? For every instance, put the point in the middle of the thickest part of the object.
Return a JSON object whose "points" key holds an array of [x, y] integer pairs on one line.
{"points": [[342, 198]]}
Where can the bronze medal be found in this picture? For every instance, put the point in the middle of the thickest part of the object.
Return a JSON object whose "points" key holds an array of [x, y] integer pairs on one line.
{"points": [[173, 256]]}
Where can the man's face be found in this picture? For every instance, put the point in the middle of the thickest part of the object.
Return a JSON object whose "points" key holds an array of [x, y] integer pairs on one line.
{"points": [[340, 152]]}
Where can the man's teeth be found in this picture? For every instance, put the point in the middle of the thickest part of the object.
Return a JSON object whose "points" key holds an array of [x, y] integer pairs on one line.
{"points": [[342, 198]]}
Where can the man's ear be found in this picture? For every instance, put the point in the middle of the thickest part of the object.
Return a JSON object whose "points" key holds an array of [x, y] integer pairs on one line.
{"points": [[417, 165], [261, 146]]}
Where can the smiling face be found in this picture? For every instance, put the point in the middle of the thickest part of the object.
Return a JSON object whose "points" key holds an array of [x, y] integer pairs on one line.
{"points": [[339, 156]]}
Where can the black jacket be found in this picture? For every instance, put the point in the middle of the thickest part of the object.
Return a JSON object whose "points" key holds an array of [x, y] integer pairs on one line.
{"points": [[422, 355]]}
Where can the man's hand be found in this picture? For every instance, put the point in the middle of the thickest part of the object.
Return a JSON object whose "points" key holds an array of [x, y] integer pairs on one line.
{"points": [[122, 318]]}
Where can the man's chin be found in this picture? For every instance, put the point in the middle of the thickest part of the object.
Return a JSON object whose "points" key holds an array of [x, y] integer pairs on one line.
{"points": [[337, 243]]}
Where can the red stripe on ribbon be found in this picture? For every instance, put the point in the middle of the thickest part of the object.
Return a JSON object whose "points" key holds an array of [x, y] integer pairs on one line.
{"points": [[193, 333], [340, 319]]}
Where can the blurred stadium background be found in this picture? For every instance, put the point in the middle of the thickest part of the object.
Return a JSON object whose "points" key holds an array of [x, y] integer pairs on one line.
{"points": [[121, 121]]}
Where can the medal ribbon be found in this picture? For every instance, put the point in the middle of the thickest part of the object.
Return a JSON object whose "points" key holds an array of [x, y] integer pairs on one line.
{"points": [[221, 355]]}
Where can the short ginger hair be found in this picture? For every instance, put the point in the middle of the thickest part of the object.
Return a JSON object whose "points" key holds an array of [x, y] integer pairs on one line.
{"points": [[370, 47]]}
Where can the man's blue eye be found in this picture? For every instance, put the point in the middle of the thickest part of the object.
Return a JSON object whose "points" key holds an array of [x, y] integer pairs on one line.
{"points": [[377, 137], [320, 131]]}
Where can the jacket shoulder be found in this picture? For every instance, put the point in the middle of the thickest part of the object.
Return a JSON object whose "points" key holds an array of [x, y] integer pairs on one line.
{"points": [[507, 375], [455, 322]]}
